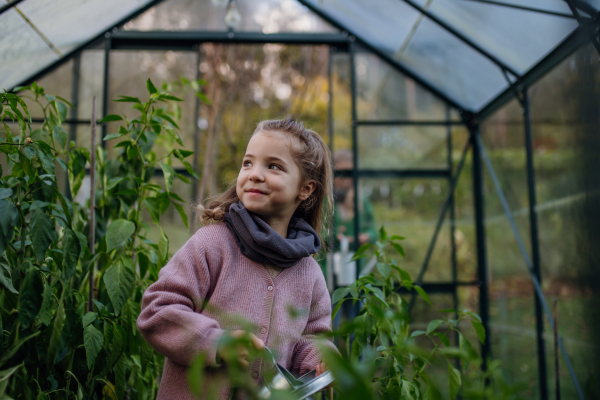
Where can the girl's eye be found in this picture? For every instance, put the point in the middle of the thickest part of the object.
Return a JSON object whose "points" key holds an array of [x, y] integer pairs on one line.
{"points": [[246, 163], [275, 166]]}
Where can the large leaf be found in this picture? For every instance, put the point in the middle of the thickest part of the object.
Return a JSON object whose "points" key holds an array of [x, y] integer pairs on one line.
{"points": [[6, 279], [9, 216], [30, 300], [4, 378], [57, 328], [455, 381], [45, 314], [93, 340], [118, 232], [71, 249], [433, 325], [121, 377], [182, 213], [119, 281], [42, 229], [169, 174], [478, 326]]}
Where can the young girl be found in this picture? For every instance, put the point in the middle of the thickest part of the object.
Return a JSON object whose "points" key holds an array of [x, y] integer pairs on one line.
{"points": [[253, 261]]}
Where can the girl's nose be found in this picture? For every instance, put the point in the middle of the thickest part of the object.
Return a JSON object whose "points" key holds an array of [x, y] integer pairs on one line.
{"points": [[256, 175]]}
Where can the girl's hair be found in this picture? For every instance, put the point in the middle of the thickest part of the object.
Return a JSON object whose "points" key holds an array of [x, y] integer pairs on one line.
{"points": [[314, 161]]}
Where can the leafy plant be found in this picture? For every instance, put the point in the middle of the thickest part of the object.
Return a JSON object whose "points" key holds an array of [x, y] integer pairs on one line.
{"points": [[53, 342], [385, 360]]}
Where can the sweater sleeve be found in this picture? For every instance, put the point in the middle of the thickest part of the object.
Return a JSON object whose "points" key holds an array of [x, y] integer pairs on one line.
{"points": [[170, 318], [306, 355]]}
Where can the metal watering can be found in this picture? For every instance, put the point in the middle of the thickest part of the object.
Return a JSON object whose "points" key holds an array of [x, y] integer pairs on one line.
{"points": [[302, 388]]}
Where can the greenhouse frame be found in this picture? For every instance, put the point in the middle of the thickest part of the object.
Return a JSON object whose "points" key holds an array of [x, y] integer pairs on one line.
{"points": [[475, 57]]}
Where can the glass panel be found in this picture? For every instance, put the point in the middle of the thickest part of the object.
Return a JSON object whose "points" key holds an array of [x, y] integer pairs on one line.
{"points": [[384, 23], [341, 101], [566, 148], [452, 66], [464, 233], [91, 83], [519, 38], [69, 23], [267, 16], [409, 208], [546, 5], [402, 147], [22, 51], [385, 93]]}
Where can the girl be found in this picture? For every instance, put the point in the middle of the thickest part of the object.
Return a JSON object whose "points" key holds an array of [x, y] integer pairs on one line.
{"points": [[253, 261]]}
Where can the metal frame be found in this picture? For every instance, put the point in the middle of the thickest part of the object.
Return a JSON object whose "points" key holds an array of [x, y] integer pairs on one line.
{"points": [[348, 41]]}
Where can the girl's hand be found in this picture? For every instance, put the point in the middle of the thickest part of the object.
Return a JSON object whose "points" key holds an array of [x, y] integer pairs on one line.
{"points": [[241, 354], [321, 368]]}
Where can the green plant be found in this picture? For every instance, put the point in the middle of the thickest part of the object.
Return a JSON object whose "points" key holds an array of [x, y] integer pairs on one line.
{"points": [[53, 343], [388, 361]]}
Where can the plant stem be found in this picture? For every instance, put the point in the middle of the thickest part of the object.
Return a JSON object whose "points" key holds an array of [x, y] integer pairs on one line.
{"points": [[433, 352]]}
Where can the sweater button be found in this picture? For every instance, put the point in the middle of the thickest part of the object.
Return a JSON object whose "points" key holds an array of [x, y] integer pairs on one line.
{"points": [[270, 288], [263, 330], [255, 375]]}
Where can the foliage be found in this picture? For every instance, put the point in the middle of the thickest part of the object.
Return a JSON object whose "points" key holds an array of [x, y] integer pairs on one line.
{"points": [[53, 342]]}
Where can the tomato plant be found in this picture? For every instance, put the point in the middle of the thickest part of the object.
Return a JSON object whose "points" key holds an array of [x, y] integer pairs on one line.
{"points": [[53, 342]]}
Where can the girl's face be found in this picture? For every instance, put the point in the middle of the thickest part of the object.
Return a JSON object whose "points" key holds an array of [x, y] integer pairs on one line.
{"points": [[269, 182]]}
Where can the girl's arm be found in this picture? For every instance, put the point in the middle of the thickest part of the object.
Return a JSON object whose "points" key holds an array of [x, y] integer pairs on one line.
{"points": [[170, 319], [306, 355]]}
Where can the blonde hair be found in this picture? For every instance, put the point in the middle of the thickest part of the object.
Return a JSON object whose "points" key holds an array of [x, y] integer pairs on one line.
{"points": [[314, 161]]}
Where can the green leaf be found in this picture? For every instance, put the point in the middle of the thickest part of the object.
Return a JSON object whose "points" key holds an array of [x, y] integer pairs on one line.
{"points": [[88, 318], [384, 269], [71, 248], [61, 136], [77, 166], [61, 108], [93, 340], [6, 279], [113, 136], [339, 294], [468, 352], [432, 392], [360, 253], [112, 182], [118, 343], [152, 205], [121, 377], [119, 281], [378, 294], [45, 314], [111, 118], [163, 250], [146, 353], [417, 333], [128, 99], [4, 379], [164, 96], [396, 237], [118, 232], [382, 234], [478, 326], [151, 87], [5, 192], [57, 328], [433, 325], [44, 152], [9, 216], [30, 300], [182, 213], [455, 381], [42, 229], [422, 293], [443, 338], [195, 375], [169, 173], [398, 248]]}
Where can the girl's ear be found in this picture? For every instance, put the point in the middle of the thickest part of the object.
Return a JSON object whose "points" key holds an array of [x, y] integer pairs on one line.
{"points": [[306, 190]]}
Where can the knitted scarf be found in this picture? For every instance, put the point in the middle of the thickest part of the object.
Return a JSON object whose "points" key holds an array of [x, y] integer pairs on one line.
{"points": [[259, 242]]}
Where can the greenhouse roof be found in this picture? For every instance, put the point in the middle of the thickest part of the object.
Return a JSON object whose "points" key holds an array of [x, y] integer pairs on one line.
{"points": [[468, 52]]}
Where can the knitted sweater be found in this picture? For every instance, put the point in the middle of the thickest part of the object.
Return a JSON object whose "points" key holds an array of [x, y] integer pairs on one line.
{"points": [[210, 268]]}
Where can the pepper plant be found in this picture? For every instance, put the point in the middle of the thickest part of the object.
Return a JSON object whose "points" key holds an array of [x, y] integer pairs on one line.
{"points": [[53, 343], [384, 359]]}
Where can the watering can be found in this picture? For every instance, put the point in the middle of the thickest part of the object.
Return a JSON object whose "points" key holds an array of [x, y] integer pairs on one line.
{"points": [[302, 387]]}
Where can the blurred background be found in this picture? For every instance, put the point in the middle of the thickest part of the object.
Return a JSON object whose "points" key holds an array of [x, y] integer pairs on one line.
{"points": [[409, 142]]}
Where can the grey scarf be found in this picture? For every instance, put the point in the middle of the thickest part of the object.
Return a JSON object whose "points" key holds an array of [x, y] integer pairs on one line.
{"points": [[259, 242]]}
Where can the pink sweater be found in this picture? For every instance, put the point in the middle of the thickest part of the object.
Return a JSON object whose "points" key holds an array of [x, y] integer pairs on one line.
{"points": [[211, 267]]}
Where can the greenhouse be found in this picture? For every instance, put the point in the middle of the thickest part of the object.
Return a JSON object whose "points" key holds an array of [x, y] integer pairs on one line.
{"points": [[467, 129]]}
